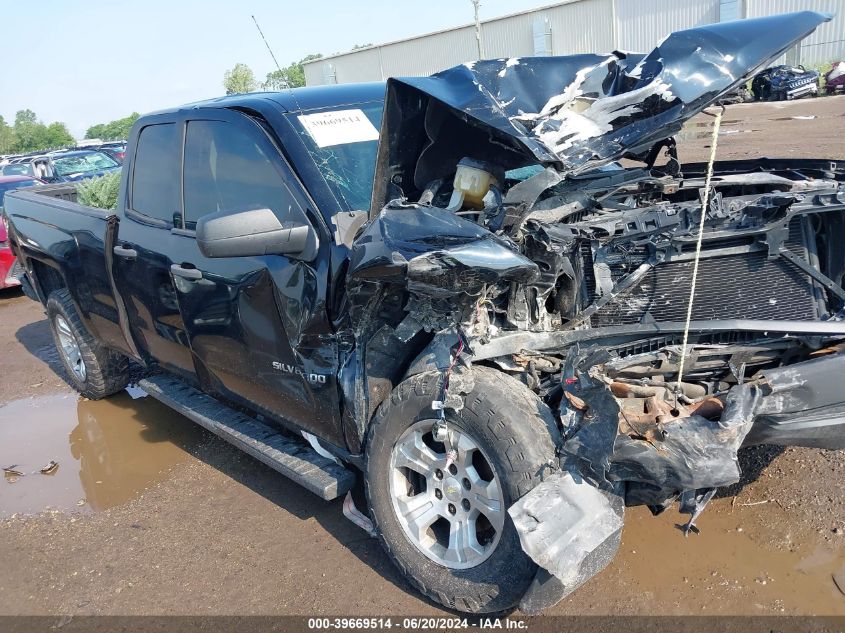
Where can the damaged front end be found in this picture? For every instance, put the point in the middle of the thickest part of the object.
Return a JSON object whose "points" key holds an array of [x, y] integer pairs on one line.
{"points": [[505, 232]]}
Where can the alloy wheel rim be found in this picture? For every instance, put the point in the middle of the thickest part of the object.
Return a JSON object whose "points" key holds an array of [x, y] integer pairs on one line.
{"points": [[452, 510], [69, 347]]}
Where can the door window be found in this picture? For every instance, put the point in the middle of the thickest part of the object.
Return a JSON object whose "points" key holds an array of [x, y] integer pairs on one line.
{"points": [[228, 169], [155, 177]]}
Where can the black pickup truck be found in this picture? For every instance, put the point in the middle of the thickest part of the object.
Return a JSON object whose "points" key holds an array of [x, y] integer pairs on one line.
{"points": [[453, 289]]}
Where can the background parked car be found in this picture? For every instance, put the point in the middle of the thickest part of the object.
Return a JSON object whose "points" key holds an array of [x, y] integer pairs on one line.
{"points": [[8, 263], [78, 165], [117, 152], [741, 95], [835, 78], [8, 183], [780, 83], [64, 166], [9, 268], [18, 169]]}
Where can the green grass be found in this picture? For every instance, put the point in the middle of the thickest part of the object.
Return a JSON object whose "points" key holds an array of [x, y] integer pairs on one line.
{"points": [[823, 69]]}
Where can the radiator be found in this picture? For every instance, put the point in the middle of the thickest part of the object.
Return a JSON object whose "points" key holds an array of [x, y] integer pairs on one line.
{"points": [[734, 286]]}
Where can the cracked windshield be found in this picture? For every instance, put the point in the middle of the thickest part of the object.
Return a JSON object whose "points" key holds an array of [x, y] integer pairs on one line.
{"points": [[346, 158]]}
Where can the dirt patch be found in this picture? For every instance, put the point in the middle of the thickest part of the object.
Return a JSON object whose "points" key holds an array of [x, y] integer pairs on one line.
{"points": [[30, 363], [214, 531], [773, 130]]}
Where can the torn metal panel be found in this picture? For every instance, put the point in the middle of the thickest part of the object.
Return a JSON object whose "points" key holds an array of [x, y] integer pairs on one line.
{"points": [[571, 112], [686, 453], [803, 405], [468, 268], [646, 438], [438, 241]]}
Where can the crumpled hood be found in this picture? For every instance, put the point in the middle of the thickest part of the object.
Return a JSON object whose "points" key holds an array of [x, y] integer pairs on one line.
{"points": [[574, 112]]}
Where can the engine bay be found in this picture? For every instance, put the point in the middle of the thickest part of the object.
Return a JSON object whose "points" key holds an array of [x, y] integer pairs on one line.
{"points": [[534, 216]]}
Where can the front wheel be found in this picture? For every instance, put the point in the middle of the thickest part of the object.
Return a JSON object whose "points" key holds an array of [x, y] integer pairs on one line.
{"points": [[442, 515]]}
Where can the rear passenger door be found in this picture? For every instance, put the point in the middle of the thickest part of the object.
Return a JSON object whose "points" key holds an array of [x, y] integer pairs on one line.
{"points": [[257, 325], [146, 247]]}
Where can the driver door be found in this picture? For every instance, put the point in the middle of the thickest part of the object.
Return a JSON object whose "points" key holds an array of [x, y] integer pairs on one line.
{"points": [[256, 325]]}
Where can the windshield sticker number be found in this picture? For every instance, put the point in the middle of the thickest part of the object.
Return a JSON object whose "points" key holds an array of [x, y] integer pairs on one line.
{"points": [[339, 127]]}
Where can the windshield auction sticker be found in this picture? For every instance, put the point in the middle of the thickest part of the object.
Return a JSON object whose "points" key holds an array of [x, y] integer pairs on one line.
{"points": [[339, 127]]}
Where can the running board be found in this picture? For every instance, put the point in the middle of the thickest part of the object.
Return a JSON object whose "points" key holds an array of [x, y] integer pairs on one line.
{"points": [[293, 459]]}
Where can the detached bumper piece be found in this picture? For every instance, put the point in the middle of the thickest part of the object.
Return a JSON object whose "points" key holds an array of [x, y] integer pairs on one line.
{"points": [[572, 530]]}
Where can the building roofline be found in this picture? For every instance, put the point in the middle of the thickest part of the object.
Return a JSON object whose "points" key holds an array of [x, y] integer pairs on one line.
{"points": [[544, 7]]}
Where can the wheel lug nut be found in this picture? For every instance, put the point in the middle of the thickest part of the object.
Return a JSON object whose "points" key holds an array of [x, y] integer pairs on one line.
{"points": [[438, 493], [452, 509], [465, 504], [466, 483], [438, 473], [453, 469]]}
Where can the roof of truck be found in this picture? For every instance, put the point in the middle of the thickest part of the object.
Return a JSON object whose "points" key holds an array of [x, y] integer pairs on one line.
{"points": [[298, 99]]}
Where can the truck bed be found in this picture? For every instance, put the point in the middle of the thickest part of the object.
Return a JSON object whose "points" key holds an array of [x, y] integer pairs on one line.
{"points": [[61, 243], [60, 196]]}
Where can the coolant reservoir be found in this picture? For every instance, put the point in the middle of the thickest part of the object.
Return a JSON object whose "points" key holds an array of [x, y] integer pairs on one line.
{"points": [[473, 179]]}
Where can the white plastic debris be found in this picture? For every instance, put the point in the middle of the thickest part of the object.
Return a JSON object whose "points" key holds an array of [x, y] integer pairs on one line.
{"points": [[356, 516], [562, 521], [136, 392], [315, 444]]}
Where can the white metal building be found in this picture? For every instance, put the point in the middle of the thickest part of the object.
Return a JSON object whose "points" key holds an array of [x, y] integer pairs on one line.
{"points": [[572, 26]]}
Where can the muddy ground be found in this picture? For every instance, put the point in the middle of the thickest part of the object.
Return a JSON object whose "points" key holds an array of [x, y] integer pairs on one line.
{"points": [[147, 514]]}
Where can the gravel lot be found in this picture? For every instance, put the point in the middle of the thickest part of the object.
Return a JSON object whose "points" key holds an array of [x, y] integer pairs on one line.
{"points": [[150, 515]]}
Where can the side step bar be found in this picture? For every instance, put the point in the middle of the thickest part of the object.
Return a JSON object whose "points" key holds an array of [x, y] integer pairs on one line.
{"points": [[293, 459]]}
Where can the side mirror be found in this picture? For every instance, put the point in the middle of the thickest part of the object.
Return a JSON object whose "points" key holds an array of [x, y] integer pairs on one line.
{"points": [[254, 232]]}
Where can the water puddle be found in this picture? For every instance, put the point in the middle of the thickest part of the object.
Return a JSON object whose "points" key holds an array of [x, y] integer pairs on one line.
{"points": [[727, 567], [799, 117], [709, 123], [107, 451], [692, 132]]}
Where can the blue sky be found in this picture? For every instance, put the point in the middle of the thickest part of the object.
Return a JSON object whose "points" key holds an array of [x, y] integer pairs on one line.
{"points": [[94, 61]]}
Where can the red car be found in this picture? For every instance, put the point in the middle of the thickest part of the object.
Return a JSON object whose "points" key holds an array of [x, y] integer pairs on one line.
{"points": [[835, 78], [8, 264]]}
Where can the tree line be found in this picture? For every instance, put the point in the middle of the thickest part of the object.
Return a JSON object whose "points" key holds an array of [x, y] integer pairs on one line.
{"points": [[117, 130], [240, 79], [29, 134]]}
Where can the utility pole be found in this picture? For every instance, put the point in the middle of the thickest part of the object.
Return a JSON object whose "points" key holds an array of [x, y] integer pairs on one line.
{"points": [[476, 4]]}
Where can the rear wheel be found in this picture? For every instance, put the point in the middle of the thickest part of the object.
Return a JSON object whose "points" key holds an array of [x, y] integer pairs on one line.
{"points": [[442, 517], [95, 371]]}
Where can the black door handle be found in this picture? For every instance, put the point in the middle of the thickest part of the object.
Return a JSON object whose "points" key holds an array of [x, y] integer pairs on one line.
{"points": [[187, 273], [130, 253]]}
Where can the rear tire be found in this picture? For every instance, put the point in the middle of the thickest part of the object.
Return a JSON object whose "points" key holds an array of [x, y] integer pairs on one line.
{"points": [[505, 432], [93, 370]]}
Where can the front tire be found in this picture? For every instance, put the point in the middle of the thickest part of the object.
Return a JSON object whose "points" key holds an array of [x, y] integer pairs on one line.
{"points": [[92, 369], [442, 521]]}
